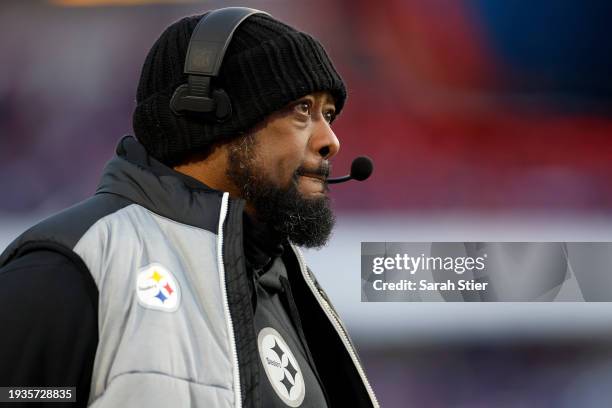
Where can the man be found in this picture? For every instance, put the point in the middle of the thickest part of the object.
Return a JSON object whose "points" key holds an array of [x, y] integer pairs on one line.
{"points": [[179, 282]]}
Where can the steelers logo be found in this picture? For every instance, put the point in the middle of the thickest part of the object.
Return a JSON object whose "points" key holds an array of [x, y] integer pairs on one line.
{"points": [[157, 289], [281, 367]]}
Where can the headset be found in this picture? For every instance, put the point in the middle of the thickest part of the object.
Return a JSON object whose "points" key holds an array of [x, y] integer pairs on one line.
{"points": [[205, 53]]}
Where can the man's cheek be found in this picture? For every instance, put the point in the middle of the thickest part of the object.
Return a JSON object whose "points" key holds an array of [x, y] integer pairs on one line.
{"points": [[285, 174]]}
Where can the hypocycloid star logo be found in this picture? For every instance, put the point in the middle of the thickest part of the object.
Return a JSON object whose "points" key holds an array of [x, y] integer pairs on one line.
{"points": [[281, 367]]}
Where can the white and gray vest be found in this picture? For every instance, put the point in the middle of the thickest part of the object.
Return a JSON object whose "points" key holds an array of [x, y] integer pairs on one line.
{"points": [[175, 322]]}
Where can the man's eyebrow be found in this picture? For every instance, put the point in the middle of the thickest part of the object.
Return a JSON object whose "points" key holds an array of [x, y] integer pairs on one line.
{"points": [[329, 99]]}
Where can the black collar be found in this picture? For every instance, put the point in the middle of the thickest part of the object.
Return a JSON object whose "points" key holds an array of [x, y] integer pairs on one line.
{"points": [[262, 245]]}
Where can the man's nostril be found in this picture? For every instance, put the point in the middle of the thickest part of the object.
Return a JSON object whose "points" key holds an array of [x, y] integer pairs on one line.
{"points": [[324, 151]]}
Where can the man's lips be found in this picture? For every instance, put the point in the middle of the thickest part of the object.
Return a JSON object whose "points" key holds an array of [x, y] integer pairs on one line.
{"points": [[318, 173], [318, 177]]}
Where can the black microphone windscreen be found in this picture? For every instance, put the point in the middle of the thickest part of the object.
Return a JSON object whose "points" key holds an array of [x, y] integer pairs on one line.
{"points": [[361, 168]]}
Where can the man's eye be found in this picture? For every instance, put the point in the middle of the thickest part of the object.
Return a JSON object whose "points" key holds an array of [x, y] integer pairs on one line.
{"points": [[330, 116], [303, 108]]}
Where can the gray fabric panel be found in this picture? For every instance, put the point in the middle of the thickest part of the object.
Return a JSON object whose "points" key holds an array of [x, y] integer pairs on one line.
{"points": [[68, 226], [153, 390], [191, 342]]}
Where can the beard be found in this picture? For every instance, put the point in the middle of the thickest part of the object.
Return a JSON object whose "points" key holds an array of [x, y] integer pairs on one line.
{"points": [[306, 222]]}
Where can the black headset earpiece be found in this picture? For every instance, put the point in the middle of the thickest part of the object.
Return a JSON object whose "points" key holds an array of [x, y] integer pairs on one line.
{"points": [[205, 53]]}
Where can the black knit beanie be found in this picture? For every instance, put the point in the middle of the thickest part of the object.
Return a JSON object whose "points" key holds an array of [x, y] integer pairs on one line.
{"points": [[267, 65]]}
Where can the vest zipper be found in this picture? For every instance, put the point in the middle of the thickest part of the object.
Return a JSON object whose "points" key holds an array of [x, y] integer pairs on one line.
{"points": [[228, 316], [331, 315]]}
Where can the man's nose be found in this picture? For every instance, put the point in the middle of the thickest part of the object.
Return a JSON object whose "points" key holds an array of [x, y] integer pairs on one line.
{"points": [[325, 141]]}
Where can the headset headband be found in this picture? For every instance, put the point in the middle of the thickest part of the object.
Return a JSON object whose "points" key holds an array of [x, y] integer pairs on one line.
{"points": [[205, 53]]}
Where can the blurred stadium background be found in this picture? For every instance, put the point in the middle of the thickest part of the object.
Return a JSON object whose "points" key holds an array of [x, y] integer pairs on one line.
{"points": [[487, 121]]}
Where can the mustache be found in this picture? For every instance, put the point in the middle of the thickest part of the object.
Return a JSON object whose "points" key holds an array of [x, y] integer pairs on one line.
{"points": [[323, 171]]}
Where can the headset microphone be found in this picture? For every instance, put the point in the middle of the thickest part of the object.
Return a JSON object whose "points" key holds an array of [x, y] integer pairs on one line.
{"points": [[361, 169]]}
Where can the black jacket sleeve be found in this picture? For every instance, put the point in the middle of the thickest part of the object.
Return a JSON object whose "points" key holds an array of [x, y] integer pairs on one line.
{"points": [[48, 320]]}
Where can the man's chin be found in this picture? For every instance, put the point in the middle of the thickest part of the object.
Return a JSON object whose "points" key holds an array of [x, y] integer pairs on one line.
{"points": [[316, 221]]}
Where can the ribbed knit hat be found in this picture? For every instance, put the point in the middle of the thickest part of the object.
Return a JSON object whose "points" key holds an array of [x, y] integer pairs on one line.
{"points": [[267, 65]]}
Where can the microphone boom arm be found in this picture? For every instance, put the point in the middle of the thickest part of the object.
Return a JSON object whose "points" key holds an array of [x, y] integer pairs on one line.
{"points": [[339, 179]]}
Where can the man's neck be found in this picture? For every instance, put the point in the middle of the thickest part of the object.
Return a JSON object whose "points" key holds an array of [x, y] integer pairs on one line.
{"points": [[210, 168]]}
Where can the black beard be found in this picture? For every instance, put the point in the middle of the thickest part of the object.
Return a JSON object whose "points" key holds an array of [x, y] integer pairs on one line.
{"points": [[306, 222]]}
